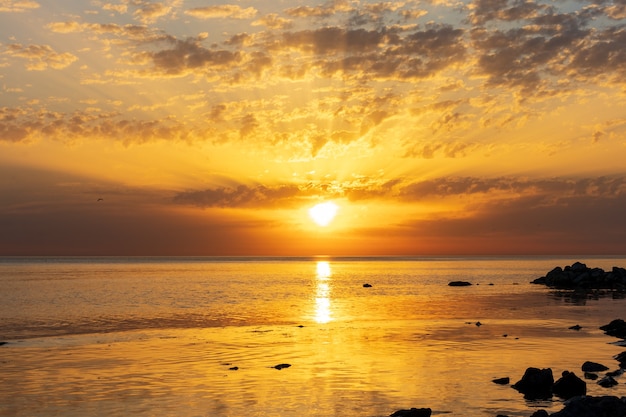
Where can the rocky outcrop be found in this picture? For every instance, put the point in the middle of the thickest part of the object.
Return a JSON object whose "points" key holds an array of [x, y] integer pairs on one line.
{"points": [[579, 276], [616, 328], [569, 385], [536, 383]]}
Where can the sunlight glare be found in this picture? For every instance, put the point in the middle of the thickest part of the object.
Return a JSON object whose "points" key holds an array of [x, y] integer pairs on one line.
{"points": [[323, 213], [322, 299]]}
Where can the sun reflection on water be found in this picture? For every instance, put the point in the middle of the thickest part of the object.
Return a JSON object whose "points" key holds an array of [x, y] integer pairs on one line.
{"points": [[322, 295]]}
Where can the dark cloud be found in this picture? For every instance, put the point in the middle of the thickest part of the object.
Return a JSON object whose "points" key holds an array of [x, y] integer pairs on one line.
{"points": [[604, 54], [381, 53], [189, 55], [526, 225]]}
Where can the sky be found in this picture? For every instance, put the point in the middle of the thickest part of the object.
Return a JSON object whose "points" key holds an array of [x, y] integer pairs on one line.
{"points": [[437, 127]]}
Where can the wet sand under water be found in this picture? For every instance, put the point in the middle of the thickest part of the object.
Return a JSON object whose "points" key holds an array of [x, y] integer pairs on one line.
{"points": [[348, 368]]}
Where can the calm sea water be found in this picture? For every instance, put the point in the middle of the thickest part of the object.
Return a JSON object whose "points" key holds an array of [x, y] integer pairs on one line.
{"points": [[201, 336]]}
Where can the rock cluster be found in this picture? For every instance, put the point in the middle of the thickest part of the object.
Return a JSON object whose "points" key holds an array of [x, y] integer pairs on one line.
{"points": [[579, 276], [539, 384]]}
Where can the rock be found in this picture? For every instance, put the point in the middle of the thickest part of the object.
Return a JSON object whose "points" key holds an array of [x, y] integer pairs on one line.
{"points": [[593, 367], [540, 413], [605, 406], [282, 366], [621, 358], [569, 385], [535, 384], [367, 285], [459, 284], [501, 381], [591, 376], [575, 327], [413, 412], [3, 343], [607, 382], [233, 368], [579, 276], [616, 328]]}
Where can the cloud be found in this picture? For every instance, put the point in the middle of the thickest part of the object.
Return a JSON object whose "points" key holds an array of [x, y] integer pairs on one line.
{"points": [[11, 6], [273, 21], [241, 196], [326, 10], [31, 123], [381, 54], [229, 11], [189, 55], [151, 12], [40, 57], [119, 8]]}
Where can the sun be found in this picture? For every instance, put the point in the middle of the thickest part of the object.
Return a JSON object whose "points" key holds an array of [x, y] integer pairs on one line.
{"points": [[323, 213]]}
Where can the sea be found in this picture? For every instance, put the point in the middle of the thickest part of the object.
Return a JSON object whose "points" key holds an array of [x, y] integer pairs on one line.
{"points": [[307, 336]]}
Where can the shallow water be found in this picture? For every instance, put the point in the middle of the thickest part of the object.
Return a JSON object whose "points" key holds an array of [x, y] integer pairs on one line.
{"points": [[96, 337]]}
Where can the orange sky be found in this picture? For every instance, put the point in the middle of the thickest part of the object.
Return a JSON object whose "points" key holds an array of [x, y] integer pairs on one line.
{"points": [[209, 128]]}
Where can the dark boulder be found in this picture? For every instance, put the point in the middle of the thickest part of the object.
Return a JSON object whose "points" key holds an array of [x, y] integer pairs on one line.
{"points": [[366, 285], [593, 367], [413, 412], [535, 384], [540, 413], [605, 406], [281, 366], [459, 284], [569, 385], [616, 328], [607, 382]]}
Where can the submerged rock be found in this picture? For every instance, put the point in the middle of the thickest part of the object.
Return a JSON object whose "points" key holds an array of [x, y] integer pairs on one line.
{"points": [[413, 412], [536, 383], [281, 366], [607, 382], [583, 406], [459, 284], [501, 381]]}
